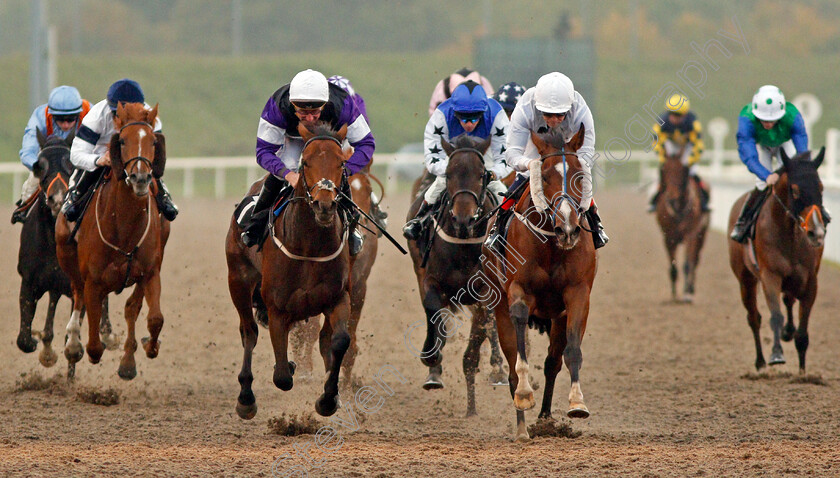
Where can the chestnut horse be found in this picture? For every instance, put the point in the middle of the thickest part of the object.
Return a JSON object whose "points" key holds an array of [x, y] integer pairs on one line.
{"points": [[449, 270], [302, 271], [545, 275], [120, 242], [681, 219], [785, 255]]}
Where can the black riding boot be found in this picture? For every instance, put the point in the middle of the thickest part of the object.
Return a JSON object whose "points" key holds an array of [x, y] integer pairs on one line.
{"points": [[255, 230], [355, 239], [599, 237], [74, 204], [748, 213], [704, 194], [414, 226], [164, 202]]}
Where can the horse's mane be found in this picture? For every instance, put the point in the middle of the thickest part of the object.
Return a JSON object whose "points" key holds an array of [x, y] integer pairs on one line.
{"points": [[555, 139], [53, 140], [464, 140], [324, 129]]}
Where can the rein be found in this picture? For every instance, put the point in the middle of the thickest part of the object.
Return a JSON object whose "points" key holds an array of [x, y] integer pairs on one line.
{"points": [[556, 204]]}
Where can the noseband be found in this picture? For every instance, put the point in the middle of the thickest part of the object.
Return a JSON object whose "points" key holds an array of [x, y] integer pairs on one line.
{"points": [[127, 165], [58, 177]]}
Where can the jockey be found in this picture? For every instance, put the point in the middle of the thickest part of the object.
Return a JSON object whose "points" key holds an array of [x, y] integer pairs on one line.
{"points": [[551, 105], [60, 116], [444, 88], [766, 126], [378, 214], [90, 152], [508, 95], [308, 99], [678, 127], [470, 112]]}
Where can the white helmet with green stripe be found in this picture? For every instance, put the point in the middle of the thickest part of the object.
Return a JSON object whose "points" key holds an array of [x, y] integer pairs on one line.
{"points": [[768, 103]]}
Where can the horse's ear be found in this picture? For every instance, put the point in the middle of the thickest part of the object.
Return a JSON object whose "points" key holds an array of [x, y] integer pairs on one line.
{"points": [[482, 146], [819, 159], [447, 148], [785, 158], [304, 132], [69, 139], [576, 142], [42, 139], [116, 156], [39, 168], [160, 155], [151, 116], [539, 142], [118, 122], [342, 133]]}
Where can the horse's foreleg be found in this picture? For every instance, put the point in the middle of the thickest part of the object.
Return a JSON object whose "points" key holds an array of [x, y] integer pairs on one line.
{"points": [[553, 362], [279, 324], [523, 398], [671, 247], [47, 357], [240, 293], [772, 285], [577, 307], [357, 302], [94, 293], [128, 367], [507, 341], [327, 403], [28, 304], [109, 338], [693, 244], [788, 331], [800, 338], [749, 299], [73, 349], [497, 373], [432, 356], [472, 354], [154, 319]]}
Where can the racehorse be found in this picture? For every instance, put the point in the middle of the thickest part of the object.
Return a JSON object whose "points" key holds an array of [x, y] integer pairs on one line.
{"points": [[681, 219], [304, 334], [121, 242], [447, 260], [545, 275], [303, 271], [784, 256]]}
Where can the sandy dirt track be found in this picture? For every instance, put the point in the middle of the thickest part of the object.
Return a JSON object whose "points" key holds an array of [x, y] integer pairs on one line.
{"points": [[667, 384]]}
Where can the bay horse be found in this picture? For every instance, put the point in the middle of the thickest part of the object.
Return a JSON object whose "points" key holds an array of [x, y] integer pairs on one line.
{"points": [[784, 257], [37, 263], [302, 271], [545, 275], [682, 221], [447, 263], [120, 241], [305, 334]]}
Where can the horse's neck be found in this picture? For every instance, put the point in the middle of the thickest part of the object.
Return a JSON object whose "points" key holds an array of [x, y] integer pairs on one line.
{"points": [[298, 228], [122, 214]]}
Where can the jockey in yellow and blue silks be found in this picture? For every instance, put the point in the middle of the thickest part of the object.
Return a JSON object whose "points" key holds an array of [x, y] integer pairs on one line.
{"points": [[678, 128], [469, 111], [766, 126]]}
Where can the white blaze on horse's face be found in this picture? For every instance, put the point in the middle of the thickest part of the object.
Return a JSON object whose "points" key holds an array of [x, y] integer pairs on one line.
{"points": [[814, 227]]}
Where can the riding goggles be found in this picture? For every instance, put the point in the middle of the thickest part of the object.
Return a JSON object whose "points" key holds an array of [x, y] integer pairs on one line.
{"points": [[308, 107], [469, 117], [66, 118]]}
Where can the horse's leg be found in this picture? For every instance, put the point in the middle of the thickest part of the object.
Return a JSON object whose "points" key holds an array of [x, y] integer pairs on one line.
{"points": [[109, 338], [671, 246], [259, 305], [240, 293], [577, 307], [497, 374], [524, 396], [128, 367], [472, 354], [800, 338], [553, 361], [788, 331], [432, 346], [279, 324], [94, 293], [772, 285], [357, 301], [327, 403], [748, 297], [154, 319], [507, 341], [47, 357], [73, 350], [28, 304], [693, 243]]}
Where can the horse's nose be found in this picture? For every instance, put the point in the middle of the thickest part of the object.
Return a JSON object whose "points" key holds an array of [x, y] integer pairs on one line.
{"points": [[325, 207], [140, 179]]}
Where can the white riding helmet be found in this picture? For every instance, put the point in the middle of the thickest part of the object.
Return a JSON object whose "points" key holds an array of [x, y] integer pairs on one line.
{"points": [[309, 85], [768, 103], [555, 93]]}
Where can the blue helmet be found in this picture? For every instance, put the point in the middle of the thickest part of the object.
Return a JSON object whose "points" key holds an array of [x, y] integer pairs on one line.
{"points": [[508, 95], [469, 97], [124, 91], [64, 100]]}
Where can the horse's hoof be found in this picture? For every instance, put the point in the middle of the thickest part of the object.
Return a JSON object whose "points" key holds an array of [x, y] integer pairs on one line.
{"points": [[432, 361], [522, 438], [499, 379], [787, 333], [111, 341], [524, 403], [776, 358], [26, 343], [579, 411], [246, 412], [471, 413], [326, 406], [292, 367], [151, 350], [47, 357], [95, 352], [74, 352], [687, 299], [127, 372], [432, 383]]}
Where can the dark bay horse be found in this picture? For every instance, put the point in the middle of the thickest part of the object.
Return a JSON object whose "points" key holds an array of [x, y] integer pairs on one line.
{"points": [[682, 221], [784, 258], [451, 277], [302, 271], [120, 241], [546, 275], [304, 334]]}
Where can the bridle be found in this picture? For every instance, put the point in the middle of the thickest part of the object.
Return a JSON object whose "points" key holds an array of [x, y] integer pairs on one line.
{"points": [[799, 222], [479, 197], [323, 183], [127, 165], [556, 202], [58, 177]]}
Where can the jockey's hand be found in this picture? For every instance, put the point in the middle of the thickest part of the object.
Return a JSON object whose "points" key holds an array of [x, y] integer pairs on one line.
{"points": [[292, 177], [493, 176], [104, 160], [772, 179]]}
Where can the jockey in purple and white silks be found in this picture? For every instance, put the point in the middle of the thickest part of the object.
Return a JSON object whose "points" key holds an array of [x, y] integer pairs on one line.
{"points": [[469, 111], [552, 105], [308, 99]]}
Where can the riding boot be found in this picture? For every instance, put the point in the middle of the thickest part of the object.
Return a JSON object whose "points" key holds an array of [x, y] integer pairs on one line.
{"points": [[255, 230], [164, 202], [599, 237], [77, 194], [355, 238], [748, 213], [493, 240], [704, 194], [414, 226]]}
